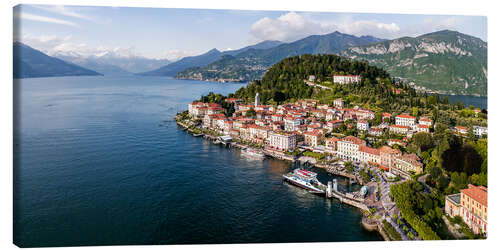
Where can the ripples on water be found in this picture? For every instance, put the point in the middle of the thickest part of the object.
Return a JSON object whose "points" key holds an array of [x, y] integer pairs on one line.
{"points": [[93, 167]]}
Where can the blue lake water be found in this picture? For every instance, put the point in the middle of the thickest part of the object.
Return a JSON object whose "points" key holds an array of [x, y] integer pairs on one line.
{"points": [[93, 166]]}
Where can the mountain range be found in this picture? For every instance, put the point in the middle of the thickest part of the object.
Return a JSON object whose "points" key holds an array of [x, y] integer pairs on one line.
{"points": [[110, 63], [252, 63], [445, 61], [29, 62], [205, 59]]}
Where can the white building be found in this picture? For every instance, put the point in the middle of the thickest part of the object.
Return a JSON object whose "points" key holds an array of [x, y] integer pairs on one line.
{"points": [[339, 103], [480, 131], [282, 141], [363, 125], [291, 123], [346, 79], [405, 120], [425, 121], [348, 148]]}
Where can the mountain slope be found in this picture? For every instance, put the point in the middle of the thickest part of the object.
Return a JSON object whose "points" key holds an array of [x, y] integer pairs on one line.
{"points": [[252, 63], [110, 63], [186, 62], [205, 59], [444, 61], [29, 62]]}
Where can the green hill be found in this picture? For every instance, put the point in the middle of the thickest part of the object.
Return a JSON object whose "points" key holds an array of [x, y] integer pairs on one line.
{"points": [[444, 61]]}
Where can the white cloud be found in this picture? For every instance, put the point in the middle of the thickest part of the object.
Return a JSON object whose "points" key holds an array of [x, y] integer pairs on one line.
{"points": [[293, 26], [33, 17], [288, 27], [54, 45], [175, 54], [370, 27], [74, 12]]}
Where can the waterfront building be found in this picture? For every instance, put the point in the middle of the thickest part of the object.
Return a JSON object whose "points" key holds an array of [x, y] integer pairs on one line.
{"points": [[313, 138], [363, 125], [398, 129], [480, 131], [369, 155], [388, 156], [331, 145], [282, 141], [257, 131], [197, 109], [407, 164], [405, 120], [346, 79], [338, 103], [348, 148]]}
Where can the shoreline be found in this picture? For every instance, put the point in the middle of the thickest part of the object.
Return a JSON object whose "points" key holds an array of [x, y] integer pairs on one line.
{"points": [[341, 197]]}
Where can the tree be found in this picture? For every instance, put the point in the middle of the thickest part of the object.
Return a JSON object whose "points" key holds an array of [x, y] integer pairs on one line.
{"points": [[415, 111], [250, 113], [435, 172], [472, 160], [278, 96], [422, 140]]}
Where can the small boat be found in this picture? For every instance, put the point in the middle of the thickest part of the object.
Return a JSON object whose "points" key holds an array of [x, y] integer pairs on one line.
{"points": [[253, 153], [305, 179], [196, 135]]}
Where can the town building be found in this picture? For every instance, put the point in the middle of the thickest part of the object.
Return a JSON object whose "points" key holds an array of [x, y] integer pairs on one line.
{"points": [[346, 79], [407, 164], [282, 141], [480, 131], [291, 123], [363, 125], [331, 145], [338, 103], [425, 121], [422, 128], [474, 210], [405, 120], [313, 138], [388, 156], [461, 130], [369, 155], [399, 129], [471, 204], [348, 148]]}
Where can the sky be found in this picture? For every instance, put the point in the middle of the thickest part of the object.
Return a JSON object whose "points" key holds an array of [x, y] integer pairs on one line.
{"points": [[164, 33]]}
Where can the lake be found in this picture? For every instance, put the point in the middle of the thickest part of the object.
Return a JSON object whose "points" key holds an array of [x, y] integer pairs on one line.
{"points": [[95, 164]]}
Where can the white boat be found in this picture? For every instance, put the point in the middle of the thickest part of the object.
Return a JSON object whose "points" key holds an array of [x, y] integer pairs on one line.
{"points": [[253, 153], [305, 179]]}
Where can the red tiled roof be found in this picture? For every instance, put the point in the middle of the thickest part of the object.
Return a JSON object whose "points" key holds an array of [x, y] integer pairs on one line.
{"points": [[399, 126], [478, 193], [369, 150], [405, 116], [353, 139]]}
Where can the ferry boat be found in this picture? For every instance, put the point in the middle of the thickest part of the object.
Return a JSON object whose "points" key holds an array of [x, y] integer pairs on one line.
{"points": [[252, 152], [305, 179]]}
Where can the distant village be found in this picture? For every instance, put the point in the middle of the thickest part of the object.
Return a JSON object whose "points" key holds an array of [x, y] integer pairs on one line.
{"points": [[307, 125]]}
